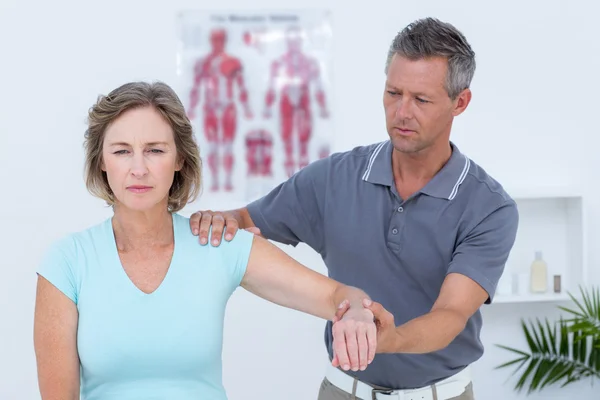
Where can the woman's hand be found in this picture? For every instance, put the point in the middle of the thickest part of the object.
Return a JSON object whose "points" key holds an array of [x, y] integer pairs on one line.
{"points": [[354, 337]]}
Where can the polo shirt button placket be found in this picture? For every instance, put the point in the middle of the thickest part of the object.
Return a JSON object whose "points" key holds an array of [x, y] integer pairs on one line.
{"points": [[400, 209]]}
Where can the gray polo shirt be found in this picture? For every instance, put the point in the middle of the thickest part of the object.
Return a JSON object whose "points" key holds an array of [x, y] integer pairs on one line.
{"points": [[347, 208]]}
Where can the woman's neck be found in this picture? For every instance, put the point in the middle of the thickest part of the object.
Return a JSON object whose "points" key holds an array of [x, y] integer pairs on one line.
{"points": [[135, 230]]}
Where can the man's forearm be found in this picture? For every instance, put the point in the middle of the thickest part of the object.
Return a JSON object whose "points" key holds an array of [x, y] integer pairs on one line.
{"points": [[430, 332]]}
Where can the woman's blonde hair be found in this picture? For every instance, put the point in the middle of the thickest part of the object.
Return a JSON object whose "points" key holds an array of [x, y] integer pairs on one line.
{"points": [[187, 182]]}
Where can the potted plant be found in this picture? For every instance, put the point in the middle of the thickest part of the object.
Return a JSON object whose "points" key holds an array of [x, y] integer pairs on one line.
{"points": [[563, 352]]}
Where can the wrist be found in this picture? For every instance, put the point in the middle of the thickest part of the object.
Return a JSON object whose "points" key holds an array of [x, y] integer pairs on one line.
{"points": [[357, 303], [348, 299]]}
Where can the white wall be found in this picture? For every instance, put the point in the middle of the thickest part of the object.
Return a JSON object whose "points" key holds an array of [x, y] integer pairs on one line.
{"points": [[532, 121]]}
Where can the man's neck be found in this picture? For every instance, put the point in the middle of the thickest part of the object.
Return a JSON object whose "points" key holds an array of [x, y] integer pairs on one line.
{"points": [[136, 230], [416, 169]]}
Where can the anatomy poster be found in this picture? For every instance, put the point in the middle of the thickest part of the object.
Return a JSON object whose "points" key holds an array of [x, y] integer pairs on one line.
{"points": [[257, 88]]}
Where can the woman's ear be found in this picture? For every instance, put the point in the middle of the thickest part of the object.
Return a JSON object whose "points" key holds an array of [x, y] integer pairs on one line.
{"points": [[179, 164]]}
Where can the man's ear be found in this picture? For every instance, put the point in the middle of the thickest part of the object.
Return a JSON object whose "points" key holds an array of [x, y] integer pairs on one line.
{"points": [[462, 101]]}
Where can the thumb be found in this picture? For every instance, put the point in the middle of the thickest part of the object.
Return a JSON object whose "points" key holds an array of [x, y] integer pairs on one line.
{"points": [[341, 310], [255, 230], [376, 308]]}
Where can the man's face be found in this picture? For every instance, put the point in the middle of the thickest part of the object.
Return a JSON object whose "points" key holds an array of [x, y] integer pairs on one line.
{"points": [[418, 110]]}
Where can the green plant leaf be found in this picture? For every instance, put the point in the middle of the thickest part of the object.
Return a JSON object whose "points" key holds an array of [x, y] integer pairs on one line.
{"points": [[559, 353], [513, 350], [552, 338], [558, 372], [532, 364], [532, 345]]}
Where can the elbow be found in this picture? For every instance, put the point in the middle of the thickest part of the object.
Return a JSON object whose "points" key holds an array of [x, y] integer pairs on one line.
{"points": [[58, 393], [455, 323], [459, 322]]}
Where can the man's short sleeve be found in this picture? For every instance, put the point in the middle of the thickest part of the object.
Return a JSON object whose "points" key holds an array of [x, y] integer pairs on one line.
{"points": [[482, 255], [57, 266], [293, 212]]}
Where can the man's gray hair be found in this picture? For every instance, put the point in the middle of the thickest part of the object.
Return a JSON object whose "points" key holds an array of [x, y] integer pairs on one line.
{"points": [[429, 37]]}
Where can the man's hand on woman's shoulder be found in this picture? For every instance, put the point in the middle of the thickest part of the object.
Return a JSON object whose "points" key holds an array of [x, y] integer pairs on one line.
{"points": [[201, 222]]}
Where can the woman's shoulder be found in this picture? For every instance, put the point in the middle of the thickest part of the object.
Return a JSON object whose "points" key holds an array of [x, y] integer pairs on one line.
{"points": [[72, 244], [65, 258], [183, 229]]}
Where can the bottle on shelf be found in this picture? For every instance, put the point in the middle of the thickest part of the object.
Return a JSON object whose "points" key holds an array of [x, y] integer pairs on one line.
{"points": [[539, 274], [557, 284]]}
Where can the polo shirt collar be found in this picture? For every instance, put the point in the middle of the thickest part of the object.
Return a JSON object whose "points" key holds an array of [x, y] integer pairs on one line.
{"points": [[444, 184]]}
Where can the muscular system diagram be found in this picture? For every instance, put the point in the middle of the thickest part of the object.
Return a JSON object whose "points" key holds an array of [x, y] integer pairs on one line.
{"points": [[257, 89], [293, 76], [219, 74]]}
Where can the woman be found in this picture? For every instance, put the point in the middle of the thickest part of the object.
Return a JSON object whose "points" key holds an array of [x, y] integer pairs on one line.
{"points": [[133, 307]]}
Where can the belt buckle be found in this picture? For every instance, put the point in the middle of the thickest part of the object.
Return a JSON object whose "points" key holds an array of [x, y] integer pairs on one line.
{"points": [[375, 392]]}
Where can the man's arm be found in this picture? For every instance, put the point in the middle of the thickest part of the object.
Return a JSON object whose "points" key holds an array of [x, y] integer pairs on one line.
{"points": [[291, 213], [459, 298], [474, 271]]}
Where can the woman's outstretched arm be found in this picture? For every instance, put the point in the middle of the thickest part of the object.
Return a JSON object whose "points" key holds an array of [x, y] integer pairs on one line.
{"points": [[277, 277]]}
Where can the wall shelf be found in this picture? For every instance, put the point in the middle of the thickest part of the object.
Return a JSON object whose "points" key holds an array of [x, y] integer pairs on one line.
{"points": [[551, 220], [532, 298]]}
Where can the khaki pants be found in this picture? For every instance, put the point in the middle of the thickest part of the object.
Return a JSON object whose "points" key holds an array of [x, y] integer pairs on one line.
{"points": [[328, 391]]}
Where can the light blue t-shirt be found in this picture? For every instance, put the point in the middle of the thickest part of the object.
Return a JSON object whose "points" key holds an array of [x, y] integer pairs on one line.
{"points": [[163, 345]]}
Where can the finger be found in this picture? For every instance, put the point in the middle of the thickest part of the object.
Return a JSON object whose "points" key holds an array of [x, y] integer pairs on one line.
{"points": [[232, 227], [195, 222], [205, 222], [372, 341], [339, 346], [334, 361], [341, 310], [218, 224], [383, 318], [363, 346], [352, 345]]}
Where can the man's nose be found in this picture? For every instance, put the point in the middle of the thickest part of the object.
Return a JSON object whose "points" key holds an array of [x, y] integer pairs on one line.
{"points": [[403, 110]]}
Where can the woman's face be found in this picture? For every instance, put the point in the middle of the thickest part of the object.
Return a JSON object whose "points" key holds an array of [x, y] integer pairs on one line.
{"points": [[140, 159]]}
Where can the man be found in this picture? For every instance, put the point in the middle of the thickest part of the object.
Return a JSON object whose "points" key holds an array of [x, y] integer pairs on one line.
{"points": [[412, 221]]}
